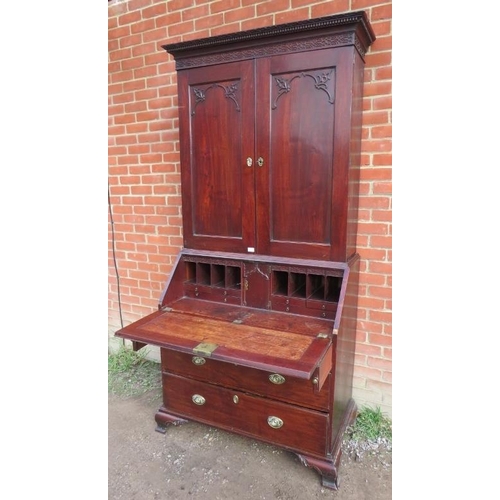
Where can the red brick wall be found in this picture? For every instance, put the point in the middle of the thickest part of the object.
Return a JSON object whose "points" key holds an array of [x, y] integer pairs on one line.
{"points": [[144, 170]]}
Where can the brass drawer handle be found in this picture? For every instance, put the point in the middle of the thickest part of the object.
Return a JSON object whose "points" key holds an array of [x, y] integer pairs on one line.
{"points": [[274, 422], [198, 400], [197, 360], [275, 378]]}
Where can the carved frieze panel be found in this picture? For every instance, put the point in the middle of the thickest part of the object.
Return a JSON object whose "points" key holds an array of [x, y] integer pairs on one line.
{"points": [[336, 40]]}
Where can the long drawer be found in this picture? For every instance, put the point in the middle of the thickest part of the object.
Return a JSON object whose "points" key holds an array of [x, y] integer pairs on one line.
{"points": [[287, 389], [278, 423]]}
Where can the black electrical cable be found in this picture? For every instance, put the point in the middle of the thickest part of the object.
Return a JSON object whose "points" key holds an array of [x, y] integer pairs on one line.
{"points": [[114, 256]]}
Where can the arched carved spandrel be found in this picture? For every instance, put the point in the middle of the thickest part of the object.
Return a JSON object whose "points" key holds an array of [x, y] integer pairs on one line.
{"points": [[320, 82], [200, 95]]}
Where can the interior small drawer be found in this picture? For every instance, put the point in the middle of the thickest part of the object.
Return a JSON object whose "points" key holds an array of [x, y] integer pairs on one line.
{"points": [[273, 385], [229, 296], [279, 423]]}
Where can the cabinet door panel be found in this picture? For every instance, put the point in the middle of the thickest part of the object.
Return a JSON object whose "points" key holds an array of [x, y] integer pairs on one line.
{"points": [[216, 130], [298, 102]]}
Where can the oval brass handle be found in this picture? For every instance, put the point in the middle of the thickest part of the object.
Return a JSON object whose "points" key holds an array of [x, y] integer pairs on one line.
{"points": [[198, 400], [197, 360], [274, 422], [276, 378]]}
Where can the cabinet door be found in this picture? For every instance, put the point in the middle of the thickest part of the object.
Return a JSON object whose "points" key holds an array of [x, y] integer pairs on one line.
{"points": [[303, 134], [216, 107]]}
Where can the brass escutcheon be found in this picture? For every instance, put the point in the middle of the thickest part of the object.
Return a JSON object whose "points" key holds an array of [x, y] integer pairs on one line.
{"points": [[275, 378], [198, 400], [235, 399], [197, 360], [274, 422]]}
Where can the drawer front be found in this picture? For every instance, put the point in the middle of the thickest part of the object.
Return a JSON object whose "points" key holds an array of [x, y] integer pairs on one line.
{"points": [[319, 309], [278, 423], [293, 390], [217, 294]]}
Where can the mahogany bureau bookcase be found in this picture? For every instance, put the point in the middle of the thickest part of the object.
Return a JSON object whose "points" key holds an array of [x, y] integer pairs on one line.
{"points": [[256, 323]]}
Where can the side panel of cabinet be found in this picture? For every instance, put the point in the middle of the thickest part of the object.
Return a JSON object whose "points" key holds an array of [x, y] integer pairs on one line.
{"points": [[355, 164], [216, 125], [303, 106]]}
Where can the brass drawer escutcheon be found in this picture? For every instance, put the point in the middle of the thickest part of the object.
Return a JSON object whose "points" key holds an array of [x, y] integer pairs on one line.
{"points": [[275, 378], [197, 360], [198, 400], [275, 422]]}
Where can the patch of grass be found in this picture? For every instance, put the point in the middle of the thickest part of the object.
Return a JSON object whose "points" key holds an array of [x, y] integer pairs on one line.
{"points": [[131, 374], [370, 425]]}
